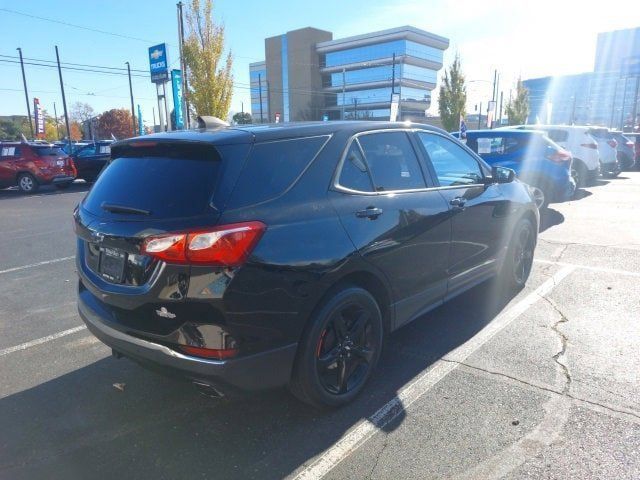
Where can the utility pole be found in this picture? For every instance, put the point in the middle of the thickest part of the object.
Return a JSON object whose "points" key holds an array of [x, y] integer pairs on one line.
{"points": [[153, 111], [493, 97], [26, 94], [55, 112], [133, 112], [183, 66], [479, 115], [635, 104], [260, 93], [242, 108], [500, 117], [64, 99], [624, 98], [343, 86]]}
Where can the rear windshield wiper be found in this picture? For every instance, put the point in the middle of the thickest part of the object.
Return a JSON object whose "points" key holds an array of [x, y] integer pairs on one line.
{"points": [[113, 208]]}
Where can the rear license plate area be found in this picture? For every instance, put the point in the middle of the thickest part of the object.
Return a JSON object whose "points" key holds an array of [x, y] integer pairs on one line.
{"points": [[112, 263]]}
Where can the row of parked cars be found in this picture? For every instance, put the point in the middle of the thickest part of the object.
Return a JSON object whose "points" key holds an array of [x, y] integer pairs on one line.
{"points": [[555, 159], [28, 165]]}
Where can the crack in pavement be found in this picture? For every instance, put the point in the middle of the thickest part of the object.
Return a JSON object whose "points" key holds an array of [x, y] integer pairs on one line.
{"points": [[564, 340], [375, 464]]}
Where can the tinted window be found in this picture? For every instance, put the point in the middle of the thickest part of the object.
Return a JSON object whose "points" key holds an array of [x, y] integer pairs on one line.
{"points": [[558, 135], [495, 145], [10, 152], [392, 161], [87, 151], [48, 151], [272, 167], [166, 186], [354, 173], [453, 165]]}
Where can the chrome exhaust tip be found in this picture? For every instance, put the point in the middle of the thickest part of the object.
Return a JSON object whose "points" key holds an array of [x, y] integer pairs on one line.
{"points": [[208, 390]]}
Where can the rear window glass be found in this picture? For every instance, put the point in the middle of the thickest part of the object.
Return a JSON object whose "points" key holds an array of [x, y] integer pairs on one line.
{"points": [[558, 135], [49, 151], [272, 167], [165, 186]]}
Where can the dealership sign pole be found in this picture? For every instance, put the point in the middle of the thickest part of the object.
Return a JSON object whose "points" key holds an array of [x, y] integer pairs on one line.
{"points": [[159, 69]]}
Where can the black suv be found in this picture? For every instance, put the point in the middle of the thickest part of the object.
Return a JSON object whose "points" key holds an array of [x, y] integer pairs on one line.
{"points": [[246, 258]]}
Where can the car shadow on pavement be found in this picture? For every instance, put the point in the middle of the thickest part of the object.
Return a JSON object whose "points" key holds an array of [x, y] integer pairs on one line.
{"points": [[14, 192], [79, 426], [550, 218], [581, 193]]}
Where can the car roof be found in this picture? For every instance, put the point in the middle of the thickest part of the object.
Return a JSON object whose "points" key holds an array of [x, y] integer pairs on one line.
{"points": [[274, 131], [506, 132]]}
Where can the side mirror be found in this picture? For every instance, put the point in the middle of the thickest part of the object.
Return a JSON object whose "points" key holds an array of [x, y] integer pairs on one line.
{"points": [[502, 174]]}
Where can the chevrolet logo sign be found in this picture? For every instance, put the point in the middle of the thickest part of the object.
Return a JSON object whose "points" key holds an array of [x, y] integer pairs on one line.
{"points": [[156, 54]]}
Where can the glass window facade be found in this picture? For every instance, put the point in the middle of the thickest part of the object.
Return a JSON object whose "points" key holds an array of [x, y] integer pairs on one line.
{"points": [[377, 95], [258, 78], [383, 50], [285, 78], [589, 98], [381, 74]]}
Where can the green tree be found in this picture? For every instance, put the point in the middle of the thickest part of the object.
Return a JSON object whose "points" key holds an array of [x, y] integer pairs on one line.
{"points": [[210, 79], [242, 118], [12, 127], [116, 122], [452, 97], [518, 108]]}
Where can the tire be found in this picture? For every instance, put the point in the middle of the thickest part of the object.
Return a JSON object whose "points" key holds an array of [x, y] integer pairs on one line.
{"points": [[63, 186], [579, 173], [344, 335], [27, 183], [519, 257]]}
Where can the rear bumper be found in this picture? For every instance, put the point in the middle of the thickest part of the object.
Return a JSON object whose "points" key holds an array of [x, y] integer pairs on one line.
{"points": [[611, 167], [62, 179], [259, 371]]}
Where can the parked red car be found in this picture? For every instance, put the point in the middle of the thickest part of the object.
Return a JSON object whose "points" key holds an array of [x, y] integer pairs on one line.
{"points": [[29, 165]]}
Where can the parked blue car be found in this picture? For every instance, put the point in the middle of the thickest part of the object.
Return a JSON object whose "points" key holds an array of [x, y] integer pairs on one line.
{"points": [[536, 159]]}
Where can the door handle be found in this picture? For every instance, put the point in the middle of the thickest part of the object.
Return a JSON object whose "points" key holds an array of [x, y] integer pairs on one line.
{"points": [[457, 203], [369, 212]]}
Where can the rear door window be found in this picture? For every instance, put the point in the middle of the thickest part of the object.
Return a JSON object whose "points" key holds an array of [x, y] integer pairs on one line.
{"points": [[453, 165], [168, 182], [49, 152], [392, 161], [355, 174], [273, 167]]}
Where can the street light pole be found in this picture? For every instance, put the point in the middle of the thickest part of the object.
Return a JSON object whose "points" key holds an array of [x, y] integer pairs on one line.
{"points": [[133, 112], [183, 66], [64, 99], [26, 94]]}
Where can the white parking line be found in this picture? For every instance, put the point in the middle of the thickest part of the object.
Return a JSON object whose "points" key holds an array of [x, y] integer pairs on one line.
{"points": [[40, 341], [615, 271], [408, 395], [31, 265]]}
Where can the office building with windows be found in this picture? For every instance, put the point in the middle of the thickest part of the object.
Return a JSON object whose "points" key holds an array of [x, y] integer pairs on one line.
{"points": [[604, 97], [310, 76], [259, 92]]}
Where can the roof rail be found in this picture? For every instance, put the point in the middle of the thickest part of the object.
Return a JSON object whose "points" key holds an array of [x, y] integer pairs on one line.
{"points": [[206, 121]]}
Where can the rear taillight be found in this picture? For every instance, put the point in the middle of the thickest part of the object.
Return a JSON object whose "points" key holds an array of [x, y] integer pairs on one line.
{"points": [[560, 156], [589, 145], [218, 354], [630, 144], [225, 246], [613, 143]]}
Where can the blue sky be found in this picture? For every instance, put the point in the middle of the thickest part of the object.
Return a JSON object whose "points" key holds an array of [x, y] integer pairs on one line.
{"points": [[553, 37]]}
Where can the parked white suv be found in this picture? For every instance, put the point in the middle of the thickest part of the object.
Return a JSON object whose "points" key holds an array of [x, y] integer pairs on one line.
{"points": [[585, 167], [608, 148]]}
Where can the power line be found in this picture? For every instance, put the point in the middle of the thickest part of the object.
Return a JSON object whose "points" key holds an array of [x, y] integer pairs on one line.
{"points": [[60, 22], [79, 69], [73, 64]]}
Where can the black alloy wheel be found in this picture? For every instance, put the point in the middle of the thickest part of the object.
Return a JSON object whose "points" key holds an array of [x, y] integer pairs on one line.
{"points": [[345, 349], [524, 245], [339, 350]]}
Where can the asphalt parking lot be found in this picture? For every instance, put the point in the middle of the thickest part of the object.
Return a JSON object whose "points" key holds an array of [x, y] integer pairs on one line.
{"points": [[542, 385]]}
